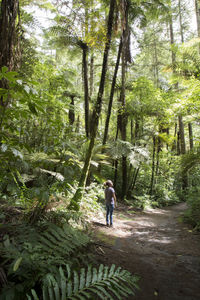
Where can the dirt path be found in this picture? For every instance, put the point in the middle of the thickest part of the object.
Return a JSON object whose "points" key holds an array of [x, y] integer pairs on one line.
{"points": [[157, 247]]}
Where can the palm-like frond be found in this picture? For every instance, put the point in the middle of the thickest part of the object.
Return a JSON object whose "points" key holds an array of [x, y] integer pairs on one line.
{"points": [[102, 283]]}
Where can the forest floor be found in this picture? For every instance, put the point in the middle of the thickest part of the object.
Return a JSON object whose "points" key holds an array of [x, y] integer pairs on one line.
{"points": [[155, 245]]}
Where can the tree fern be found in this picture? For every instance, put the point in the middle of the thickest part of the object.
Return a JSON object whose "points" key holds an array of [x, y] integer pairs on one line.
{"points": [[103, 283]]}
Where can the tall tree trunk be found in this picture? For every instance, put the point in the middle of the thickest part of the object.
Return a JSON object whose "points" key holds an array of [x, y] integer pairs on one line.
{"points": [[111, 98], [159, 148], [182, 134], [132, 135], [153, 167], [71, 111], [9, 11], [86, 90], [180, 119], [156, 76], [91, 74], [112, 93], [197, 10], [180, 21], [9, 44], [125, 40], [96, 112], [190, 136]]}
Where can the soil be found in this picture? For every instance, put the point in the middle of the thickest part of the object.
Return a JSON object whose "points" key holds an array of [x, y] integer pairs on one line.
{"points": [[163, 251]]}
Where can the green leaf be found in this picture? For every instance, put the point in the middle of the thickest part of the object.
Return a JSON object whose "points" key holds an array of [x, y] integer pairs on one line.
{"points": [[69, 288], [32, 108], [63, 284], [35, 297], [89, 276], [100, 274], [17, 264], [111, 270], [76, 282], [97, 292], [82, 279], [94, 275], [4, 69]]}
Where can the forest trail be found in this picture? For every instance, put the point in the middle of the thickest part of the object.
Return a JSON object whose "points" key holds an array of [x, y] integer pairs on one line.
{"points": [[156, 246]]}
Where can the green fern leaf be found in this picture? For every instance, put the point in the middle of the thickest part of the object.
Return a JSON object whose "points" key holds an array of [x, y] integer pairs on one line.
{"points": [[94, 276], [89, 276], [118, 287], [86, 294], [35, 297], [100, 274], [111, 271], [118, 296], [76, 282], [82, 279], [63, 284], [69, 288], [49, 286], [105, 272], [96, 292], [56, 290], [45, 295], [118, 271], [102, 289], [68, 271]]}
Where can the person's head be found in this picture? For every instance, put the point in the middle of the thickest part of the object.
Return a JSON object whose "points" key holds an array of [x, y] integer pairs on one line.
{"points": [[109, 183]]}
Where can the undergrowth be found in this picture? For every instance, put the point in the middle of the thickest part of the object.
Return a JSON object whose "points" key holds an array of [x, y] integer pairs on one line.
{"points": [[45, 254]]}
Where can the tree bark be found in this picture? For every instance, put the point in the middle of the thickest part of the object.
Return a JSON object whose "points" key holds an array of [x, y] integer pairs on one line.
{"points": [[74, 204], [190, 136], [9, 56], [71, 111], [123, 116], [86, 90], [91, 74], [112, 93], [8, 33], [197, 10], [182, 134], [153, 166]]}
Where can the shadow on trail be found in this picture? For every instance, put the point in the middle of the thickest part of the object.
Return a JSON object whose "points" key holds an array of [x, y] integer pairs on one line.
{"points": [[154, 245]]}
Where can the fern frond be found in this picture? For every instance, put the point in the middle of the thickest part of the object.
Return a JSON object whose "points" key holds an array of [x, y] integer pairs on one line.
{"points": [[105, 283]]}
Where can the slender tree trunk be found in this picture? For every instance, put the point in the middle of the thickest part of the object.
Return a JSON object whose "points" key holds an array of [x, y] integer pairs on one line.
{"points": [[86, 90], [91, 74], [182, 134], [71, 111], [137, 129], [156, 76], [180, 119], [135, 178], [158, 155], [197, 10], [96, 112], [190, 136], [125, 39], [180, 21], [111, 99], [153, 166], [116, 161], [132, 135], [112, 93]]}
